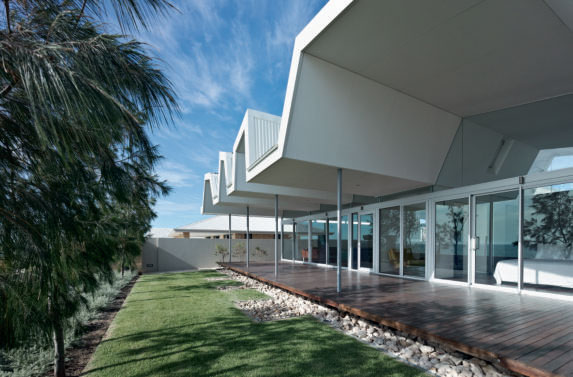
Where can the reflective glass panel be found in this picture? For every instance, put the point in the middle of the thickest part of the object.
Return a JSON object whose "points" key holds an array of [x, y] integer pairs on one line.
{"points": [[354, 258], [452, 229], [547, 239], [318, 241], [415, 240], [366, 240], [389, 261], [302, 241], [497, 235]]}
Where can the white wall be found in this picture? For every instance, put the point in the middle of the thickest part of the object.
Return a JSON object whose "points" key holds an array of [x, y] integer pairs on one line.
{"points": [[177, 254], [339, 118]]}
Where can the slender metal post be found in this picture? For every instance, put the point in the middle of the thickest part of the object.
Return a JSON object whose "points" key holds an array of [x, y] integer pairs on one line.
{"points": [[276, 235], [248, 238], [521, 209], [338, 231], [230, 251]]}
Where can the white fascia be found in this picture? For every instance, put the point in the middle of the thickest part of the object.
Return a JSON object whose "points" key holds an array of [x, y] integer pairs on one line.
{"points": [[258, 199], [317, 25], [210, 206], [237, 165]]}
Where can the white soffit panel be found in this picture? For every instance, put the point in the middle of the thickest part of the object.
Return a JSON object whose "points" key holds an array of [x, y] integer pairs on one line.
{"points": [[464, 56]]}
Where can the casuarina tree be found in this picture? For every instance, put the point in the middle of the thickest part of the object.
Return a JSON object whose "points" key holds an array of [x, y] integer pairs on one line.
{"points": [[76, 162]]}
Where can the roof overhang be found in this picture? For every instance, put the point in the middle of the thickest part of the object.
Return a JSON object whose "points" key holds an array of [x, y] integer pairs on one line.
{"points": [[379, 88]]}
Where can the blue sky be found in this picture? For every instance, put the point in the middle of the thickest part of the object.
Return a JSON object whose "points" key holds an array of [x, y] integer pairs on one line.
{"points": [[222, 57]]}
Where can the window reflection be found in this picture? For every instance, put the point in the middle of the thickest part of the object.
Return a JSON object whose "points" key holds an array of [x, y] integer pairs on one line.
{"points": [[415, 240], [318, 241], [548, 238], [366, 240], [451, 240], [389, 261], [302, 241]]}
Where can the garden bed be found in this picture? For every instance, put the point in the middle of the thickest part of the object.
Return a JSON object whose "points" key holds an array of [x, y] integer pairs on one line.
{"points": [[80, 353]]}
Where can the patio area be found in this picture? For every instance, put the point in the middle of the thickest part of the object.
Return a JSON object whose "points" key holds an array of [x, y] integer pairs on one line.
{"points": [[528, 335]]}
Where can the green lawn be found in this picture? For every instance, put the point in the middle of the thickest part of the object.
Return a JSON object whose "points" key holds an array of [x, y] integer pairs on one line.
{"points": [[179, 324]]}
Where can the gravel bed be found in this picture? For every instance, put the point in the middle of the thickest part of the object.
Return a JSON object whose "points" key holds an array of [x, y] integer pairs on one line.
{"points": [[434, 358]]}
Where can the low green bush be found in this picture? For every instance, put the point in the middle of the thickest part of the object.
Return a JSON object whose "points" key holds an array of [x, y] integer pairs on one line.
{"points": [[35, 358]]}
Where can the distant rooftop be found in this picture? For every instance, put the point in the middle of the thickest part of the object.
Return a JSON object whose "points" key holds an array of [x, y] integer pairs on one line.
{"points": [[160, 233], [220, 225]]}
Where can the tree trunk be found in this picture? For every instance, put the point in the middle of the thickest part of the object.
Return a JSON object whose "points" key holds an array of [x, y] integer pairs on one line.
{"points": [[59, 351]]}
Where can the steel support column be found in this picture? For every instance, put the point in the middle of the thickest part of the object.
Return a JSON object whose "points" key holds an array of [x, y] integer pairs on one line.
{"points": [[248, 238], [338, 231], [276, 235], [230, 250]]}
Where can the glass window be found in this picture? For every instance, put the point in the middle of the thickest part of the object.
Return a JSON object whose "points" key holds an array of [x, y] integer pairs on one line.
{"points": [[318, 241], [529, 138], [415, 240], [547, 239], [332, 234], [497, 235], [354, 241], [332, 238], [344, 239], [366, 240], [301, 241], [389, 261], [286, 242], [451, 240]]}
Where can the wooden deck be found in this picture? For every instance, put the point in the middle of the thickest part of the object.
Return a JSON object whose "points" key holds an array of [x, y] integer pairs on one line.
{"points": [[529, 335]]}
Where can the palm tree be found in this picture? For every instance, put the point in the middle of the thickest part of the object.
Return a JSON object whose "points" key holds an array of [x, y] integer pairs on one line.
{"points": [[75, 103]]}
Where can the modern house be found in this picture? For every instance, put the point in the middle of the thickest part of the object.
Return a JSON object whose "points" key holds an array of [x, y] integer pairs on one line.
{"points": [[453, 126], [423, 140]]}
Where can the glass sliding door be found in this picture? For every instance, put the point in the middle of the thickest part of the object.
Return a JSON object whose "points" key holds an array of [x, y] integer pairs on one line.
{"points": [[389, 250], [318, 241], [332, 234], [344, 241], [366, 240], [301, 252], [496, 238], [286, 241], [451, 240], [547, 239], [354, 245], [415, 240], [332, 238]]}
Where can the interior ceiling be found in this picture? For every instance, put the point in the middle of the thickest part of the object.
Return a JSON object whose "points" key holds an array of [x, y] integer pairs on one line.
{"points": [[545, 124], [465, 56], [294, 173]]}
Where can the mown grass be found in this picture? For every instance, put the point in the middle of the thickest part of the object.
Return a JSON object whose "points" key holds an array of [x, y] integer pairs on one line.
{"points": [[181, 325]]}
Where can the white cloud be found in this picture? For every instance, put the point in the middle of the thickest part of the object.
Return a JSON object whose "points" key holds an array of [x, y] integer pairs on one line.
{"points": [[210, 61], [178, 175], [294, 15], [167, 207]]}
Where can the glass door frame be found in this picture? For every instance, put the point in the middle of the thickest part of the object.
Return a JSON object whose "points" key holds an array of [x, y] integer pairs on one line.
{"points": [[359, 254], [428, 249], [432, 237], [472, 255]]}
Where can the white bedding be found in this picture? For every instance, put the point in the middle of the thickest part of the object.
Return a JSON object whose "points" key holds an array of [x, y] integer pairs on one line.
{"points": [[536, 271]]}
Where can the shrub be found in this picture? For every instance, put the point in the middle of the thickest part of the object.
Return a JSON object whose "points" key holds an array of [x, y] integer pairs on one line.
{"points": [[221, 251]]}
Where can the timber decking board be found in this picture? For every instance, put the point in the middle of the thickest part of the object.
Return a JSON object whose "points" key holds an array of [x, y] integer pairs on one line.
{"points": [[530, 335]]}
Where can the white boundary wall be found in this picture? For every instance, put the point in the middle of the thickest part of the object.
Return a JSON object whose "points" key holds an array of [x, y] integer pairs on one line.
{"points": [[177, 254]]}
